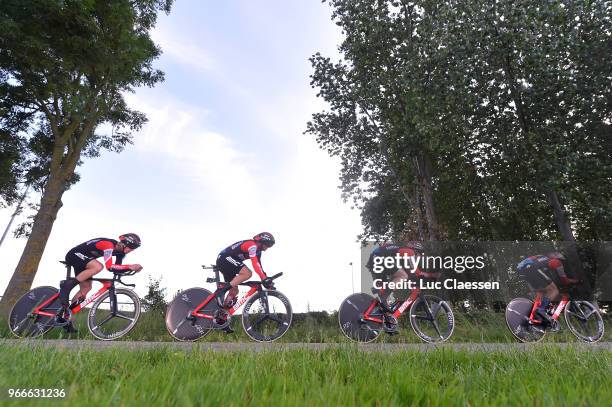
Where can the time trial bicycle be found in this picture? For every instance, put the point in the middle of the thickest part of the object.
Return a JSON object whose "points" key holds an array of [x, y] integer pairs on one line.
{"points": [[582, 318], [195, 312], [361, 316], [113, 314]]}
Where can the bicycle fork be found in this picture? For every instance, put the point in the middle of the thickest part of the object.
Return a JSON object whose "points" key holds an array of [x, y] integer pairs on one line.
{"points": [[113, 301]]}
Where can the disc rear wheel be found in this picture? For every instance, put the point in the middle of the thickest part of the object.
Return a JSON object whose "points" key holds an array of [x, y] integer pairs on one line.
{"points": [[517, 319], [351, 320], [179, 322], [22, 323]]}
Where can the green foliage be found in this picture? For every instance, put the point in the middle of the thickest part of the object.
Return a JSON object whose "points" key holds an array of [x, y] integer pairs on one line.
{"points": [[500, 106], [64, 69], [11, 159], [155, 300]]}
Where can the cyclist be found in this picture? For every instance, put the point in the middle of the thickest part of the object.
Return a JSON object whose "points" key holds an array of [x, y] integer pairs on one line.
{"points": [[395, 274], [83, 257], [544, 274], [230, 264]]}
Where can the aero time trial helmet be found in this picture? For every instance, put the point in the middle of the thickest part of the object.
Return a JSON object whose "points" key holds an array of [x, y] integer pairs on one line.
{"points": [[265, 238], [131, 240], [418, 246]]}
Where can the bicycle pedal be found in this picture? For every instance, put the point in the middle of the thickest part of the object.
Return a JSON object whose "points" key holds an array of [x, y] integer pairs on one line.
{"points": [[555, 327], [192, 319], [218, 325]]}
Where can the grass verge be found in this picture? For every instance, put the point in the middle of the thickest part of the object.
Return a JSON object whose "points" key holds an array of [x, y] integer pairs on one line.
{"points": [[346, 376]]}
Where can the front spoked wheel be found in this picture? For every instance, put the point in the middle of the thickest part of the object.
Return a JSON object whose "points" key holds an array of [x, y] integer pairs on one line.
{"points": [[267, 316], [179, 322], [351, 318], [517, 318], [22, 323], [114, 315], [584, 321], [432, 319]]}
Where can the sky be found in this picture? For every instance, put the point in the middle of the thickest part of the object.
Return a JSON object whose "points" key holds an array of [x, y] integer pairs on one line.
{"points": [[222, 158]]}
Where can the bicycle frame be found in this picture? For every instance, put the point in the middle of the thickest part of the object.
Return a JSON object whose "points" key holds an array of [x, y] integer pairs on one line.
{"points": [[398, 312], [560, 307], [107, 284], [232, 310]]}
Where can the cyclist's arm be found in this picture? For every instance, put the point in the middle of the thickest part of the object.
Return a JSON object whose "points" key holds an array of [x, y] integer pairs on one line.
{"points": [[557, 265], [107, 248], [417, 271], [252, 249]]}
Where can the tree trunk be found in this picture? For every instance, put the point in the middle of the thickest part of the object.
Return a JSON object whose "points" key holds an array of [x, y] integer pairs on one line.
{"points": [[559, 213], [571, 250], [22, 278], [419, 212], [425, 183]]}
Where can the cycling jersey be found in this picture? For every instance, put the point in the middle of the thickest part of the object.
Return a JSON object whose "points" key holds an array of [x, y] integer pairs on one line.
{"points": [[240, 251], [540, 271], [80, 255]]}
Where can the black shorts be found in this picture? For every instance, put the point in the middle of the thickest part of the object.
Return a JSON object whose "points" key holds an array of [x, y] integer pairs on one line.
{"points": [[78, 261], [537, 278], [229, 267]]}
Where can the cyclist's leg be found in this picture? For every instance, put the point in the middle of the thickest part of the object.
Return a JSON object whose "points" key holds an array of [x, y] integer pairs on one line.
{"points": [[242, 276], [84, 288], [400, 276], [549, 293], [541, 282], [391, 324], [79, 263], [233, 274], [92, 268]]}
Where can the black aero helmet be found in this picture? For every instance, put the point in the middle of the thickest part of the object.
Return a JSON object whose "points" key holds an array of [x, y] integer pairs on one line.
{"points": [[265, 237], [131, 240]]}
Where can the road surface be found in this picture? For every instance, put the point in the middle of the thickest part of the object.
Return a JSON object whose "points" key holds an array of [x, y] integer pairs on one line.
{"points": [[258, 347]]}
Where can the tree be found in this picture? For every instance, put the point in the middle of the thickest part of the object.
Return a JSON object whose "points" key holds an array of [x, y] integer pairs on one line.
{"points": [[64, 68], [155, 300], [11, 160], [375, 96], [479, 119]]}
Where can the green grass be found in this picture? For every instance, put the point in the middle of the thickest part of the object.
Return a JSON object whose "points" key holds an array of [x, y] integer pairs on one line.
{"points": [[540, 377], [478, 326]]}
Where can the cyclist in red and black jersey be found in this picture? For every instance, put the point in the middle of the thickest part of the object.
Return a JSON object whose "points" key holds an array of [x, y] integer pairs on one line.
{"points": [[230, 263], [395, 274], [545, 274], [83, 259]]}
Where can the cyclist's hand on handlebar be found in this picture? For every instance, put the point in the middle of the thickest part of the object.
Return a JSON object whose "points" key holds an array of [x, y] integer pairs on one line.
{"points": [[268, 283], [135, 267]]}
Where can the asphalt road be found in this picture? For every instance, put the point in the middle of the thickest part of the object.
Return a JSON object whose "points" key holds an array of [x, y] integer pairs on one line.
{"points": [[258, 347]]}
